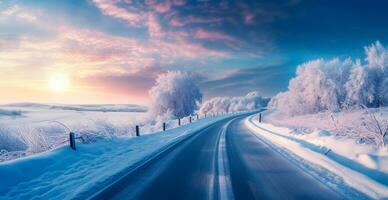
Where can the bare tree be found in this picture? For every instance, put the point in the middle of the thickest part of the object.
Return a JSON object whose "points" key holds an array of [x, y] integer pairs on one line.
{"points": [[340, 125], [376, 126]]}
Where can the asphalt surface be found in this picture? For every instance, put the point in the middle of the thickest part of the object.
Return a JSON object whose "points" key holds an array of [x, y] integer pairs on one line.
{"points": [[223, 161]]}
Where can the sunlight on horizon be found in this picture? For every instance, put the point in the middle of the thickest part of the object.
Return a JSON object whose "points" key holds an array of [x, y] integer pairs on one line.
{"points": [[59, 82]]}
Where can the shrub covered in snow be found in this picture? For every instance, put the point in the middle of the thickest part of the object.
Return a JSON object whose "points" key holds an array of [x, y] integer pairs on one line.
{"points": [[9, 141], [7, 112], [322, 85], [251, 101], [368, 126], [175, 94]]}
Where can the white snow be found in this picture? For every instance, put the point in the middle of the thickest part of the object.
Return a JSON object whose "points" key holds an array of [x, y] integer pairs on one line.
{"points": [[63, 173], [361, 166], [37, 127]]}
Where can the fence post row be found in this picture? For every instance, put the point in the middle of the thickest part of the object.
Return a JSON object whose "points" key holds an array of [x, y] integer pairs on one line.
{"points": [[137, 131], [72, 137], [72, 140]]}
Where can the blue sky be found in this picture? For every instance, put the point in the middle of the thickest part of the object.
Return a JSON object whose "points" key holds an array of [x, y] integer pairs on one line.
{"points": [[111, 51]]}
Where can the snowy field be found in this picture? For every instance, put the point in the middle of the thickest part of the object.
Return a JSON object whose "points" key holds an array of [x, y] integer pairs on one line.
{"points": [[28, 128], [318, 139]]}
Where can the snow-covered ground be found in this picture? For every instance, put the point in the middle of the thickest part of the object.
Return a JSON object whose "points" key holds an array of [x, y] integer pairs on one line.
{"points": [[28, 128], [328, 148], [54, 173]]}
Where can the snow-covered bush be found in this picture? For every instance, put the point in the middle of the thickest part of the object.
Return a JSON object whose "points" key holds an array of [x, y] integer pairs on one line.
{"points": [[175, 94], [322, 85], [367, 126], [251, 101], [9, 141], [7, 112]]}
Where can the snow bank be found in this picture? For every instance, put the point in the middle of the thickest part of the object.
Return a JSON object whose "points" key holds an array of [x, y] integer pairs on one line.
{"points": [[51, 175], [361, 166], [322, 85], [251, 101], [360, 125]]}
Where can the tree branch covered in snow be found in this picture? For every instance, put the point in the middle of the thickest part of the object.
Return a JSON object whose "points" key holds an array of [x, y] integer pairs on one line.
{"points": [[376, 126], [332, 85], [174, 95], [251, 101]]}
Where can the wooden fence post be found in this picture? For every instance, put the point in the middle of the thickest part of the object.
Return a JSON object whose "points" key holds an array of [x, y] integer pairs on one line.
{"points": [[72, 140], [137, 131], [179, 121], [164, 126], [190, 119], [260, 118]]}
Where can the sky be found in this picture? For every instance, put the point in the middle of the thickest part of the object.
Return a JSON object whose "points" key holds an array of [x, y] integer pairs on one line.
{"points": [[110, 51]]}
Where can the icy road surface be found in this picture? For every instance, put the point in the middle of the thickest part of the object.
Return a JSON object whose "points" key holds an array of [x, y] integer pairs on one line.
{"points": [[223, 161]]}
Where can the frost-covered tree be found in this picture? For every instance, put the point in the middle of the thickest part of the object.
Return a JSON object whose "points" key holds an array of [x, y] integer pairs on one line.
{"points": [[251, 101], [360, 87], [175, 94], [318, 85], [322, 85], [377, 58]]}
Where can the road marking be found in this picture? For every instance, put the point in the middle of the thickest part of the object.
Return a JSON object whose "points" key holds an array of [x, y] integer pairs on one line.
{"points": [[224, 183]]}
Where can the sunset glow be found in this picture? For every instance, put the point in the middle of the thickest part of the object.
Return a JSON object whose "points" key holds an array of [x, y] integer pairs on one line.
{"points": [[99, 47], [59, 82]]}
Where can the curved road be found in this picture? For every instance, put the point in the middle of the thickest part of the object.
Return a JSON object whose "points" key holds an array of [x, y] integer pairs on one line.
{"points": [[223, 161]]}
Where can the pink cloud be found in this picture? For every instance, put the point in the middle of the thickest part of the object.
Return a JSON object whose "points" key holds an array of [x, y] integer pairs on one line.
{"points": [[154, 28], [208, 35], [164, 6], [249, 17], [109, 7], [179, 2], [193, 20], [160, 7], [184, 49], [101, 53]]}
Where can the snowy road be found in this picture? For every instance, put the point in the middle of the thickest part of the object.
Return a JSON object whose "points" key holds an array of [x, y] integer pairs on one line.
{"points": [[223, 161]]}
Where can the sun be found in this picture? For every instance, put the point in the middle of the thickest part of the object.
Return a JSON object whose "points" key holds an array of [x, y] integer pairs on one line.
{"points": [[59, 82]]}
